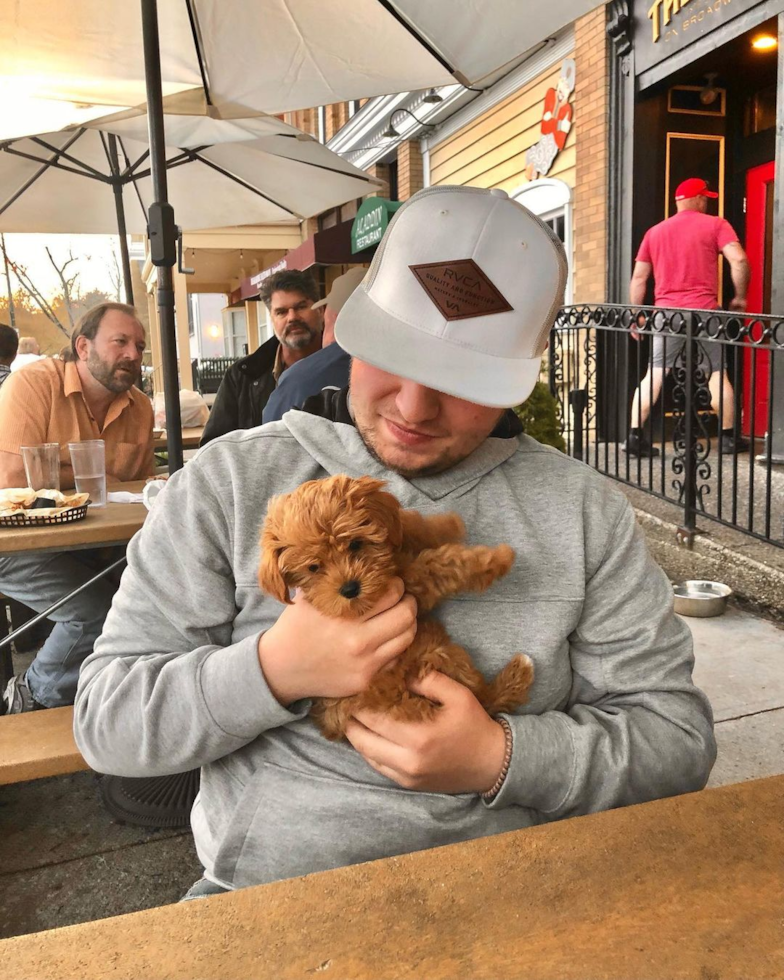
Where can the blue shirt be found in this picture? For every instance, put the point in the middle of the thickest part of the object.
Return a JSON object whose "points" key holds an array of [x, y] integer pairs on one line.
{"points": [[5, 373], [327, 368]]}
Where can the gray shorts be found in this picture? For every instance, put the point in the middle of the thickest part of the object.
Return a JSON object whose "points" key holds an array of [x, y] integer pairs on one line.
{"points": [[707, 353]]}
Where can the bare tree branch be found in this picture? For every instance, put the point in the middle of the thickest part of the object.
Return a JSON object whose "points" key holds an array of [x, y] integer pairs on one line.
{"points": [[69, 283], [35, 294], [115, 275]]}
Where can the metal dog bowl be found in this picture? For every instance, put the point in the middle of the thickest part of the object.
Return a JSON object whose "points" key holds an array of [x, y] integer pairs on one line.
{"points": [[694, 598]]}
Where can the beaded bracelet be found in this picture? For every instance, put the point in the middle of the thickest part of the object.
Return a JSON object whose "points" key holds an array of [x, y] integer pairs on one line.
{"points": [[496, 787]]}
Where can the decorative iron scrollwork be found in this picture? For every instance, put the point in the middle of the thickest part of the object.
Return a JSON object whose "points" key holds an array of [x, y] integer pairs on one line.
{"points": [[691, 403]]}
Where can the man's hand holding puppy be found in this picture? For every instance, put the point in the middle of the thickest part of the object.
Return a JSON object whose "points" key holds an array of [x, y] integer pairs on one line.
{"points": [[460, 751], [307, 654]]}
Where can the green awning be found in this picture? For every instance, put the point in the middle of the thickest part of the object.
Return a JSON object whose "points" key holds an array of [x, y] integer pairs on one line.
{"points": [[371, 222]]}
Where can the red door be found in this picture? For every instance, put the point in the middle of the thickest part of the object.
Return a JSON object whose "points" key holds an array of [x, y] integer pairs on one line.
{"points": [[759, 246]]}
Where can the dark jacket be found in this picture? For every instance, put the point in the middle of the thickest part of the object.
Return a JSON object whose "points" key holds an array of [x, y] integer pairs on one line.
{"points": [[243, 393]]}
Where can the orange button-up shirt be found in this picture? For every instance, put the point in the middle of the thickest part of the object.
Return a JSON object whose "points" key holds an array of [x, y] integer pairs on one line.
{"points": [[44, 402]]}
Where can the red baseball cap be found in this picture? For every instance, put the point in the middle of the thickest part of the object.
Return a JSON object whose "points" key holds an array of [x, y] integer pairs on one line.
{"points": [[693, 187]]}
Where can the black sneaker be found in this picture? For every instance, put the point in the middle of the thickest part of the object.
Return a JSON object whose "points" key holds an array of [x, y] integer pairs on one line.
{"points": [[729, 445], [638, 445], [17, 697]]}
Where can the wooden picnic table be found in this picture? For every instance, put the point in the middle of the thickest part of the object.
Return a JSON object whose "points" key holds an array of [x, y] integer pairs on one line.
{"points": [[113, 524], [687, 888], [190, 438]]}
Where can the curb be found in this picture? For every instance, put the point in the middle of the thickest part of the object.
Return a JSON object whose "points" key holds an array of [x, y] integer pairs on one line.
{"points": [[755, 582]]}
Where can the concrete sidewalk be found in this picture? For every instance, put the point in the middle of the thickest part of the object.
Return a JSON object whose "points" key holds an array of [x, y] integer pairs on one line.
{"points": [[63, 860], [740, 666]]}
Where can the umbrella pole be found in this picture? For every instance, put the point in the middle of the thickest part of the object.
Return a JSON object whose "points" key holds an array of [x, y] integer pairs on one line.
{"points": [[119, 206], [161, 232]]}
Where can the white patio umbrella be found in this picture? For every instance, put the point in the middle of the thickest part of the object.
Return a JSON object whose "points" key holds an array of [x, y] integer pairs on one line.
{"points": [[71, 62], [253, 171], [221, 171]]}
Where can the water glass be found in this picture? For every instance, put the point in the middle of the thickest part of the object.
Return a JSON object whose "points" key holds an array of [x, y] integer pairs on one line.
{"points": [[89, 468], [42, 466]]}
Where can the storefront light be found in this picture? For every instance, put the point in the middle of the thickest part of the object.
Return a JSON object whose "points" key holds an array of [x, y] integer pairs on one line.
{"points": [[764, 42]]}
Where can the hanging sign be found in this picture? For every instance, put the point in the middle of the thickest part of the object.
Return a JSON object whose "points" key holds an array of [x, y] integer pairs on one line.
{"points": [[664, 27], [557, 115], [371, 222]]}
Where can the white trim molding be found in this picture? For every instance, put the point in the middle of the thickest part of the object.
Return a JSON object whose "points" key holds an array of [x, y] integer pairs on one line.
{"points": [[548, 198]]}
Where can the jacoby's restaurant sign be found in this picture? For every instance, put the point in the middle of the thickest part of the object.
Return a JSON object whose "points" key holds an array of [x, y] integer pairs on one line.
{"points": [[666, 26]]}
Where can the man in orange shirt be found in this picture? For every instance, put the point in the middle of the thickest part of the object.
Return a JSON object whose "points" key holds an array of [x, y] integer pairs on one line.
{"points": [[90, 394]]}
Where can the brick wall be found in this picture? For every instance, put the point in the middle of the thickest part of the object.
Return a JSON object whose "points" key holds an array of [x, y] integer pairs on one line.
{"points": [[410, 169], [591, 106]]}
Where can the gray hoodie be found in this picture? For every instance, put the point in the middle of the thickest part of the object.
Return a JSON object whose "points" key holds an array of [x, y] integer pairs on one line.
{"points": [[175, 681]]}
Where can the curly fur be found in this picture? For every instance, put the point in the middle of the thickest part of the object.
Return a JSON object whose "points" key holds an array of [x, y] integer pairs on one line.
{"points": [[350, 534]]}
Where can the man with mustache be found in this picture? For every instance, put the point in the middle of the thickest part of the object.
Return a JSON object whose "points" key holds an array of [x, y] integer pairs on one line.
{"points": [[89, 393], [289, 296]]}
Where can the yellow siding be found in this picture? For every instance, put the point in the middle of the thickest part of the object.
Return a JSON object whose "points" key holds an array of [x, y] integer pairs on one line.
{"points": [[490, 151]]}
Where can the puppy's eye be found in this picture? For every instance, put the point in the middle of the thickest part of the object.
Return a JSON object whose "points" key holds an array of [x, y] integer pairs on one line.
{"points": [[355, 545], [313, 568]]}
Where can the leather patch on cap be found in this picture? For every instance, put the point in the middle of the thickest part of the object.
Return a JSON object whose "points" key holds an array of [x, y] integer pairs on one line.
{"points": [[460, 289]]}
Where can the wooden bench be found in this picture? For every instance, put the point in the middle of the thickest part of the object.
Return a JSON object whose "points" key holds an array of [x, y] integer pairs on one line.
{"points": [[38, 744], [688, 888]]}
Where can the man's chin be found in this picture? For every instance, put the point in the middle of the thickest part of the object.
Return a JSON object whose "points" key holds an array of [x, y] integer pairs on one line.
{"points": [[405, 461], [120, 383]]}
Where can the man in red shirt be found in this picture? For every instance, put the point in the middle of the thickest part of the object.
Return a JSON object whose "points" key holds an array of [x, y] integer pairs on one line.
{"points": [[681, 253]]}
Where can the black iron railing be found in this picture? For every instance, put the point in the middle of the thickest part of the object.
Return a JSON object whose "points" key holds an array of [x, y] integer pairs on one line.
{"points": [[209, 372], [714, 438]]}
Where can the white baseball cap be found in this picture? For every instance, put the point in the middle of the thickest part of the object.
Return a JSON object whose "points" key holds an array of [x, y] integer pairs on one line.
{"points": [[460, 296], [341, 289]]}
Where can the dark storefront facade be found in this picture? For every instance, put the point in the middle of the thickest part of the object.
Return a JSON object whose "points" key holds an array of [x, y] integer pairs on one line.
{"points": [[695, 91]]}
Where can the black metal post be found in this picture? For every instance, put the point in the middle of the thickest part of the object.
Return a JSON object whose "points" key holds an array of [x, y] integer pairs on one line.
{"points": [[11, 313], [161, 231], [119, 206], [551, 359], [578, 400], [686, 533]]}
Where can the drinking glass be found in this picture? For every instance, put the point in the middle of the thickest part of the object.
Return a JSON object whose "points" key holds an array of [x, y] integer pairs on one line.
{"points": [[88, 459], [42, 466]]}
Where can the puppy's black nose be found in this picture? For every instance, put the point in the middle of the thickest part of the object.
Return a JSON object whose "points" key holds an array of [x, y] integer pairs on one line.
{"points": [[350, 590]]}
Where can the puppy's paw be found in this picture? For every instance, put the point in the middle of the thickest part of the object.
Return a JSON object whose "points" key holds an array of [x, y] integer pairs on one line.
{"points": [[511, 686], [503, 558], [451, 529]]}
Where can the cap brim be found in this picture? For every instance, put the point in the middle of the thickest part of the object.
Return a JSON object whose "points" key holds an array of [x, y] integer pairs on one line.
{"points": [[370, 334], [322, 302], [709, 193]]}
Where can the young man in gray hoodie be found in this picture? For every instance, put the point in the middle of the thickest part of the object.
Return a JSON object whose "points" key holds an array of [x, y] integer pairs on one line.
{"points": [[198, 668]]}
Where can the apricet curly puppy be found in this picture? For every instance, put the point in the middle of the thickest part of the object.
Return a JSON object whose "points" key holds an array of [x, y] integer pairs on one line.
{"points": [[340, 541]]}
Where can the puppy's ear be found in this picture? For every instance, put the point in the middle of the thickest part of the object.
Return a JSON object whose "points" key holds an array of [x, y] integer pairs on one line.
{"points": [[384, 510], [363, 486], [270, 576]]}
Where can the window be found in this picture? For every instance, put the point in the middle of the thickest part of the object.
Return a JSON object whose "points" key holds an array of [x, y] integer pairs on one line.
{"points": [[551, 200], [558, 223], [235, 333], [393, 187]]}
